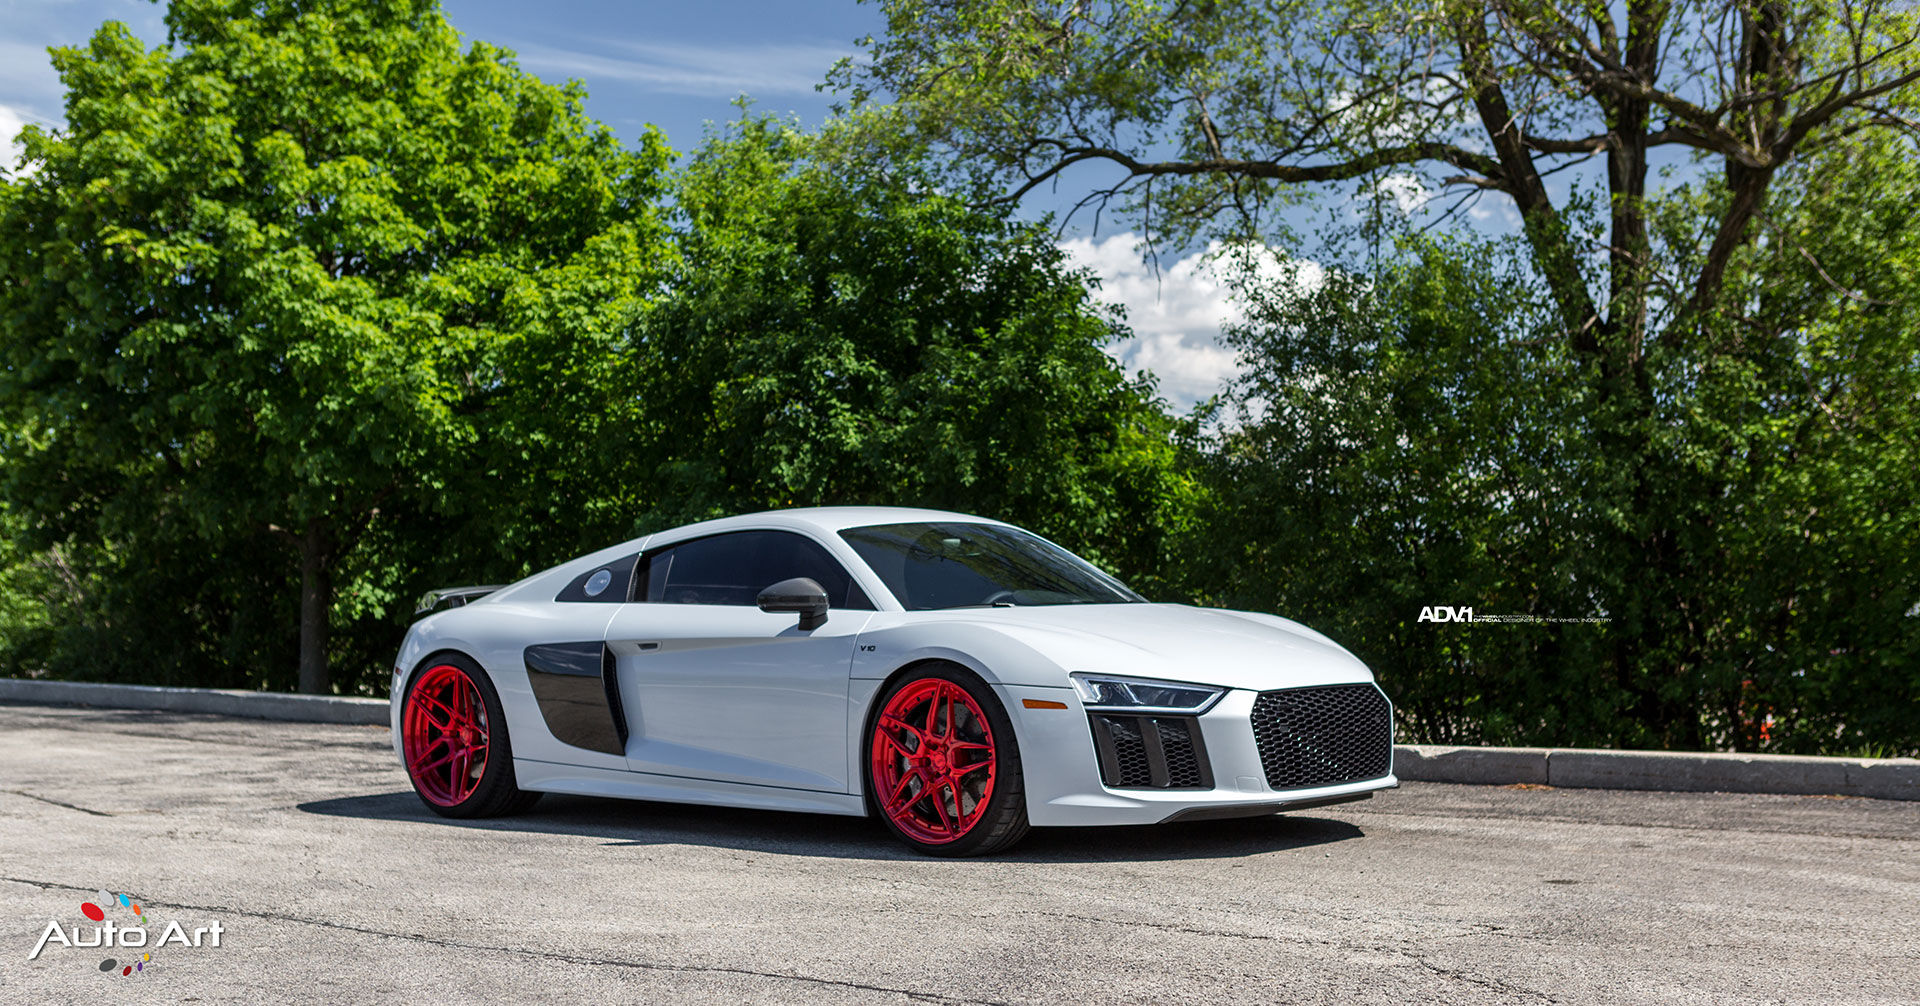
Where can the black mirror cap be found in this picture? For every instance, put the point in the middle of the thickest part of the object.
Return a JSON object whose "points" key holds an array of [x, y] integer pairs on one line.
{"points": [[802, 594]]}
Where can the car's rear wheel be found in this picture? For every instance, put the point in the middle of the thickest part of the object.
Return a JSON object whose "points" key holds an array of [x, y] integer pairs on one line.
{"points": [[943, 769], [453, 737]]}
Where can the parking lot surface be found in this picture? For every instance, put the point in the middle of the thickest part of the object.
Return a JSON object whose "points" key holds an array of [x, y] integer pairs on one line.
{"points": [[332, 884]]}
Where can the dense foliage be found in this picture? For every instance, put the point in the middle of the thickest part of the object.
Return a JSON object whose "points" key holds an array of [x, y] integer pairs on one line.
{"points": [[265, 285], [854, 338], [1417, 438], [314, 309], [1630, 411]]}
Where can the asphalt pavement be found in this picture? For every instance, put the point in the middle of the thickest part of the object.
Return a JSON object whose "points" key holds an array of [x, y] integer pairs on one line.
{"points": [[331, 883]]}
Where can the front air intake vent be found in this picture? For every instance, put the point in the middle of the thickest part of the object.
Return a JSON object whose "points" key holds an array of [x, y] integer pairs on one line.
{"points": [[1323, 736], [1151, 752]]}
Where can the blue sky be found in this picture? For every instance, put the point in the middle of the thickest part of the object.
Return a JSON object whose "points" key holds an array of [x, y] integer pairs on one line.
{"points": [[679, 66]]}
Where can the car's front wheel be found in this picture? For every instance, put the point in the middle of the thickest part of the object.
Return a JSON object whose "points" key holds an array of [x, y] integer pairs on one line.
{"points": [[453, 737], [942, 766]]}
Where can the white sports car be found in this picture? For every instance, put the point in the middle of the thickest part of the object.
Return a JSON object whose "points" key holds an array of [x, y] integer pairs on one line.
{"points": [[956, 676]]}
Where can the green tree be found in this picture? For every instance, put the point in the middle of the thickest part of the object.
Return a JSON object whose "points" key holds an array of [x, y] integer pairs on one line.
{"points": [[307, 265], [1383, 463], [1390, 465], [32, 595], [836, 338], [1210, 117], [1820, 424]]}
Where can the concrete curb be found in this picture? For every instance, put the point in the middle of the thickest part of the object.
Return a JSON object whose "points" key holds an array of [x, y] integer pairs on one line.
{"points": [[218, 701], [1687, 772], [1480, 766]]}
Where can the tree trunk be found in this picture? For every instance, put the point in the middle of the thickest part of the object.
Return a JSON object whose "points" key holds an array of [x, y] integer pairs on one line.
{"points": [[316, 602]]}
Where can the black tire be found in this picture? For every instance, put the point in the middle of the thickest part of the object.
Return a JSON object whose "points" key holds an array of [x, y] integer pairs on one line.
{"points": [[496, 792], [1003, 821]]}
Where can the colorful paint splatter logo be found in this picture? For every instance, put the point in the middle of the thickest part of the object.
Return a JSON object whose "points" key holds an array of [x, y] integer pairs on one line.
{"points": [[121, 928]]}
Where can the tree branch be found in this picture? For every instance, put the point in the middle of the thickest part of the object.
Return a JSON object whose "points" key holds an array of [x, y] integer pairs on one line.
{"points": [[1539, 219], [1408, 153]]}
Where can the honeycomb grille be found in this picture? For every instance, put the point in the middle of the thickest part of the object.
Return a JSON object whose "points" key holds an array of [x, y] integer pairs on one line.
{"points": [[1183, 766], [1151, 752], [1129, 751], [1323, 736]]}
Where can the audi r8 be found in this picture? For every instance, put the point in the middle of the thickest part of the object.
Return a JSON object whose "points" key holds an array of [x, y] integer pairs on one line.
{"points": [[956, 677]]}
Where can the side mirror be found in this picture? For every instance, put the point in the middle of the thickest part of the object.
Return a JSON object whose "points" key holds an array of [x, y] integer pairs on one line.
{"points": [[801, 594]]}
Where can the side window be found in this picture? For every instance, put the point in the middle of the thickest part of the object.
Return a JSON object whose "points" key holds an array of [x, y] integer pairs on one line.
{"points": [[608, 584], [734, 568]]}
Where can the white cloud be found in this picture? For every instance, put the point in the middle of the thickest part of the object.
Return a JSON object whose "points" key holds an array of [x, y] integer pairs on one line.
{"points": [[1406, 190], [704, 71], [1177, 315], [1189, 368], [12, 120]]}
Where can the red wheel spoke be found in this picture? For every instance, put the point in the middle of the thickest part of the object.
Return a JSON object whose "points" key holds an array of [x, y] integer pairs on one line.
{"points": [[970, 746], [895, 804], [445, 759], [899, 724], [960, 770], [431, 703], [883, 737], [940, 806], [456, 712], [476, 753]]}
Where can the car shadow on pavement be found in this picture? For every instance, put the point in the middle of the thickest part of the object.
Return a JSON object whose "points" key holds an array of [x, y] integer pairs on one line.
{"points": [[641, 823]]}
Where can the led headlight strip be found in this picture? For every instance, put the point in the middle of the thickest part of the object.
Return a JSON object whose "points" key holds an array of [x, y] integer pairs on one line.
{"points": [[1144, 695]]}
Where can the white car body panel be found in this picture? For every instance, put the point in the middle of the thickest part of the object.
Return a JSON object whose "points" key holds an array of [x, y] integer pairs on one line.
{"points": [[734, 706], [735, 694]]}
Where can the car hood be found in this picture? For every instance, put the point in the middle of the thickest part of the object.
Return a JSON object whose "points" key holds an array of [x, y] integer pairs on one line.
{"points": [[1232, 649]]}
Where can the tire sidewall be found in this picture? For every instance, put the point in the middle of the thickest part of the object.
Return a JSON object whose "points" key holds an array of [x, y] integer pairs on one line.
{"points": [[1005, 820]]}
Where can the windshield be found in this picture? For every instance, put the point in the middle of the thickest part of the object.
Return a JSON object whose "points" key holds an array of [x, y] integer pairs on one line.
{"points": [[954, 565]]}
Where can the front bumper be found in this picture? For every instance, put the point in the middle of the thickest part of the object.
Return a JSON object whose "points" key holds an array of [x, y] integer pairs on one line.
{"points": [[1064, 786]]}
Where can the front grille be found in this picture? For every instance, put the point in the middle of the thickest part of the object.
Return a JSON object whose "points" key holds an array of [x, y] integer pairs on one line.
{"points": [[1323, 736], [1151, 752]]}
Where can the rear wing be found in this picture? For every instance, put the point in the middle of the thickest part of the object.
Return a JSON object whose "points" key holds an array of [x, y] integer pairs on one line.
{"points": [[442, 598]]}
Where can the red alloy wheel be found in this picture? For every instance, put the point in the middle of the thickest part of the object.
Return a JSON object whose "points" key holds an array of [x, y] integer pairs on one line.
{"points": [[444, 734], [933, 761]]}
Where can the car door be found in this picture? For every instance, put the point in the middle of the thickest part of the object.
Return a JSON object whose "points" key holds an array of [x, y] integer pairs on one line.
{"points": [[713, 687]]}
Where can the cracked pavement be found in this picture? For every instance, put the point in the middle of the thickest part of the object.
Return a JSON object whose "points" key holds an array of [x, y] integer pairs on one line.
{"points": [[333, 884]]}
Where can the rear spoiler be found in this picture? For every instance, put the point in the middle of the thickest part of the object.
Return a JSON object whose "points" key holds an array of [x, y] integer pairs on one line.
{"points": [[442, 598]]}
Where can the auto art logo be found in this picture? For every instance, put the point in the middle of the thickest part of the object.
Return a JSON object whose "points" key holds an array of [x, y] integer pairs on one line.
{"points": [[131, 948]]}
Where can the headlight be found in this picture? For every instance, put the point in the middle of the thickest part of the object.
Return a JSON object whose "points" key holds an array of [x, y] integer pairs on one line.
{"points": [[1140, 695]]}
